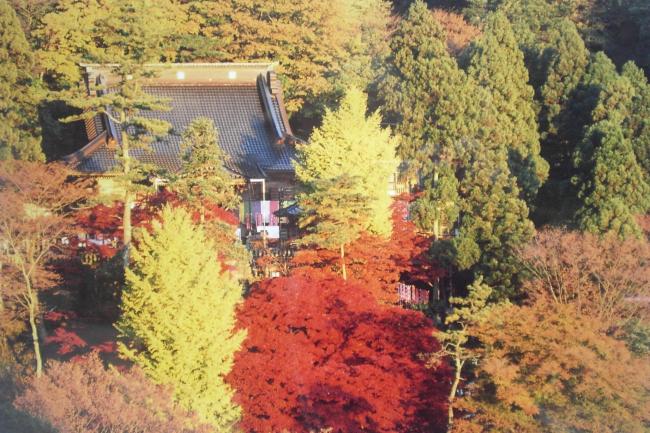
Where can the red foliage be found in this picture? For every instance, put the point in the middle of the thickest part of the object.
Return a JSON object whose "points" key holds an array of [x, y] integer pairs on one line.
{"points": [[105, 347], [57, 316], [66, 340], [378, 263], [322, 353], [105, 222], [74, 337]]}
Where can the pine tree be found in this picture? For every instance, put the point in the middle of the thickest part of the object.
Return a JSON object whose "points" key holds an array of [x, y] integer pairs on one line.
{"points": [[133, 34], [466, 312], [334, 214], [497, 63], [349, 142], [178, 316], [19, 131], [204, 178]]}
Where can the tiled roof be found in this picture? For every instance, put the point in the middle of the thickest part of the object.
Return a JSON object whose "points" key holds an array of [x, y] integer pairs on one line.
{"points": [[245, 133]]}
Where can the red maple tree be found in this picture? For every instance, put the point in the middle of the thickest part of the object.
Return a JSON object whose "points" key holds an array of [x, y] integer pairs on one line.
{"points": [[378, 264], [103, 221], [92, 268], [322, 353]]}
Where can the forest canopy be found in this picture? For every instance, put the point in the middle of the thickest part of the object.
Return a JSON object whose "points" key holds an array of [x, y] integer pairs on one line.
{"points": [[358, 216]]}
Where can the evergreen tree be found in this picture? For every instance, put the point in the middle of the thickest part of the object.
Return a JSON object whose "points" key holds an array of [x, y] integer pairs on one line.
{"points": [[335, 214], [448, 120], [613, 189], [349, 142], [204, 178], [579, 112], [438, 206], [178, 316], [638, 120], [494, 221], [426, 95], [566, 60], [133, 34], [456, 347], [19, 131], [583, 109], [497, 63]]}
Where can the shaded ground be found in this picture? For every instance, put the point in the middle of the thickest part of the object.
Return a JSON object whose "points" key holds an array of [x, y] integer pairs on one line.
{"points": [[70, 336]]}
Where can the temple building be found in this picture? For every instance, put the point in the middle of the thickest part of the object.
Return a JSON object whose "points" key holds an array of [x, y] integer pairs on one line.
{"points": [[245, 103]]}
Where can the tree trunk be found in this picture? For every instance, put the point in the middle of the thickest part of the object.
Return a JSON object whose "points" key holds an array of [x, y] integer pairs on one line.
{"points": [[202, 214], [436, 221], [452, 392], [343, 269], [128, 228], [2, 301], [33, 304], [128, 199]]}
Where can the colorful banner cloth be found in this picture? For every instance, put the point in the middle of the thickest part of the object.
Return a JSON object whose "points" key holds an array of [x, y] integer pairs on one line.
{"points": [[408, 294]]}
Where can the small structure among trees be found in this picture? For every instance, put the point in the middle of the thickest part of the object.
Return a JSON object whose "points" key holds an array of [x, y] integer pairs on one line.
{"points": [[251, 130]]}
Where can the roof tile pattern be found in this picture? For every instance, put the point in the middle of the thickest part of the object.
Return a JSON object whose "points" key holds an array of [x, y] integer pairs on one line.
{"points": [[237, 113]]}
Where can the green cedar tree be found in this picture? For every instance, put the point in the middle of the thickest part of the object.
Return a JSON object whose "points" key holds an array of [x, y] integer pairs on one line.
{"points": [[613, 190], [438, 206], [494, 222], [19, 130], [497, 63], [567, 59], [427, 96], [638, 121], [204, 178]]}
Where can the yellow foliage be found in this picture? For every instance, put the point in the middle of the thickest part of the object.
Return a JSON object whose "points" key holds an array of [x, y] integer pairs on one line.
{"points": [[178, 316], [350, 144]]}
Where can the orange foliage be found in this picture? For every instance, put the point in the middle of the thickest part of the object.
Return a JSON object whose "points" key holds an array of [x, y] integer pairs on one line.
{"points": [[605, 278], [459, 32], [548, 368], [321, 353]]}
